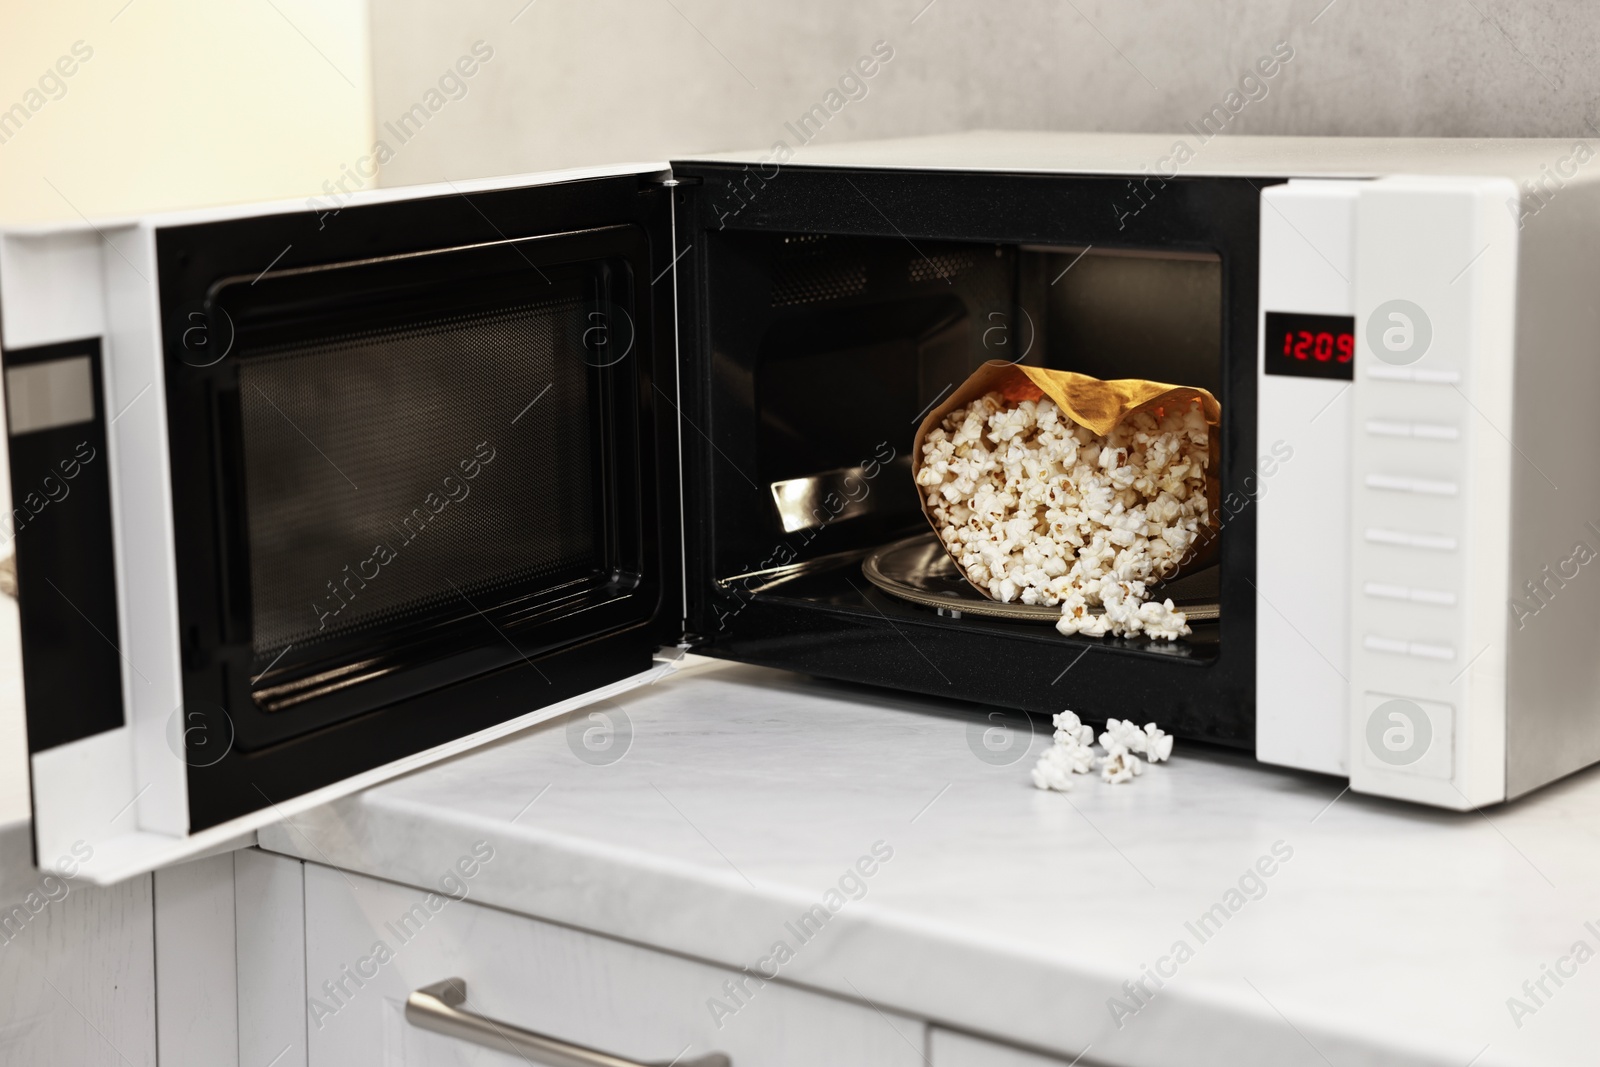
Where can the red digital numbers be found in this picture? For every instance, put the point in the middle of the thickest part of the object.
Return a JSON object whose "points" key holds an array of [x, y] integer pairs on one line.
{"points": [[1321, 346], [1314, 346]]}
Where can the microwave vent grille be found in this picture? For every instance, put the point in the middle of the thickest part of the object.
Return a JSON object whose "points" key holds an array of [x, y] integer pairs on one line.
{"points": [[811, 271], [941, 266]]}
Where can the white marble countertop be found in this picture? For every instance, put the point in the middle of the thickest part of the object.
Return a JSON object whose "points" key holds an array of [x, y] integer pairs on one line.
{"points": [[1392, 934]]}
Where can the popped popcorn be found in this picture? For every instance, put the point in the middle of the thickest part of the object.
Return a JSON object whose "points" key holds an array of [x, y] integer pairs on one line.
{"points": [[1157, 743], [1121, 740], [1120, 766], [1123, 734], [1038, 509], [1055, 769], [1071, 753], [1071, 729]]}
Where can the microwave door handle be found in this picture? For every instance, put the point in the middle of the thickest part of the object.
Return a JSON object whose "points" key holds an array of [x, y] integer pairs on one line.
{"points": [[438, 1008]]}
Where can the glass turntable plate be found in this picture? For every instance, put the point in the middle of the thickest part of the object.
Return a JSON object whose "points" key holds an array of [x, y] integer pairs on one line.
{"points": [[918, 569]]}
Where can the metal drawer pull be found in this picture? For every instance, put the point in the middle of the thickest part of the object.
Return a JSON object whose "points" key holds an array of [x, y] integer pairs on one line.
{"points": [[437, 1007]]}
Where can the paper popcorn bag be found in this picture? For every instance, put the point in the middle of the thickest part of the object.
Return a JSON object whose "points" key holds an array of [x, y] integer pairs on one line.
{"points": [[1188, 541]]}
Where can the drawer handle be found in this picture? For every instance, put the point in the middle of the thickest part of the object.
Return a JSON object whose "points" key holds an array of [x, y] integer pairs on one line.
{"points": [[437, 1007]]}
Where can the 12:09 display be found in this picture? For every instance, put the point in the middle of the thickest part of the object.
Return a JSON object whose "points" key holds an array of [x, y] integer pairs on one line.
{"points": [[1310, 346]]}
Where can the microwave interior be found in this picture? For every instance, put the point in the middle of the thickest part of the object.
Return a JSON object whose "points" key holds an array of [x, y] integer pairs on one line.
{"points": [[843, 344], [460, 458], [834, 309]]}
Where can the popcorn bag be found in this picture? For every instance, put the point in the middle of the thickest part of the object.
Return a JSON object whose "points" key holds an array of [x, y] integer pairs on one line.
{"points": [[1052, 487]]}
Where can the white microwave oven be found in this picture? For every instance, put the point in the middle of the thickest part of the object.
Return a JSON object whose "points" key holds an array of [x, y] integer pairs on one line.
{"points": [[309, 494]]}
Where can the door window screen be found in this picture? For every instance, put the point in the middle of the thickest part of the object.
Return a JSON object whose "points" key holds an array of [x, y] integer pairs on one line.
{"points": [[395, 472]]}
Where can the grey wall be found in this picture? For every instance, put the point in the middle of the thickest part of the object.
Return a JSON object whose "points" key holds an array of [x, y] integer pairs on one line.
{"points": [[582, 81]]}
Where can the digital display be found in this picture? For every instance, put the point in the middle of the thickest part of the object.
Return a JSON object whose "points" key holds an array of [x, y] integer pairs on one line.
{"points": [[1310, 346]]}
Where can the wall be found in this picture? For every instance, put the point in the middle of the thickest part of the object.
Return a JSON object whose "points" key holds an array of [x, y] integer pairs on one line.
{"points": [[611, 80], [169, 103], [180, 103]]}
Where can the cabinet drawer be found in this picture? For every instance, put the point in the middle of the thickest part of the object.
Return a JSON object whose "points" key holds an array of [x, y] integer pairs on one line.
{"points": [[370, 943]]}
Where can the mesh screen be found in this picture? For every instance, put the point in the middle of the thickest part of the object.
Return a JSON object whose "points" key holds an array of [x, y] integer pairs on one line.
{"points": [[810, 270], [390, 473]]}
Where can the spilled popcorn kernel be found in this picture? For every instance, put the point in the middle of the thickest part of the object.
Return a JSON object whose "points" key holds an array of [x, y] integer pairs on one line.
{"points": [[1071, 730], [1122, 733], [1120, 766], [1055, 769], [1157, 743], [1072, 752]]}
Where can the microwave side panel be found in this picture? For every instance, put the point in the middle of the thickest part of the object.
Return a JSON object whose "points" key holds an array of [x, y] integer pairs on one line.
{"points": [[113, 791], [1553, 643]]}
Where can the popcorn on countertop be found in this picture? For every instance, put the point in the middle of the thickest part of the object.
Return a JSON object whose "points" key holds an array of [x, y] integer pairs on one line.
{"points": [[1078, 757], [1071, 752], [1070, 728], [1157, 743], [1040, 510], [1054, 770], [1123, 734], [1119, 766]]}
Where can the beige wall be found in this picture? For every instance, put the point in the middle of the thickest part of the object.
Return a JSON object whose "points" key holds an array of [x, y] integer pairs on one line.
{"points": [[180, 103], [169, 103], [607, 80]]}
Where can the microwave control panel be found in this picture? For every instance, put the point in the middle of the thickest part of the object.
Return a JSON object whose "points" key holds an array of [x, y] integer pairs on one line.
{"points": [[1434, 286], [1385, 331], [1305, 364]]}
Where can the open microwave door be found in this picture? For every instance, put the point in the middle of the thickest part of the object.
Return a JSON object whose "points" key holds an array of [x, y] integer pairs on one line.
{"points": [[309, 495]]}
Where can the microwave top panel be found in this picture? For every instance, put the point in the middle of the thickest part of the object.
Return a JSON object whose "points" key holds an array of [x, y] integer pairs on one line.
{"points": [[1209, 155]]}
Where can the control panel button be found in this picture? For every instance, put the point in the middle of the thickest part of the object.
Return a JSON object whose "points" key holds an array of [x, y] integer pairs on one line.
{"points": [[1419, 375], [1374, 643], [1400, 647], [1408, 735], [1400, 483], [1434, 432], [1430, 431], [1408, 539], [1387, 591]]}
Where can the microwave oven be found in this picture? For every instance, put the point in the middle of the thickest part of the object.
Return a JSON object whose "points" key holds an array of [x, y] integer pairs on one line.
{"points": [[309, 494]]}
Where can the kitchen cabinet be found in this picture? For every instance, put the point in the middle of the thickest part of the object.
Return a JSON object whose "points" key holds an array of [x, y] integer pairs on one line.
{"points": [[369, 943], [77, 966]]}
